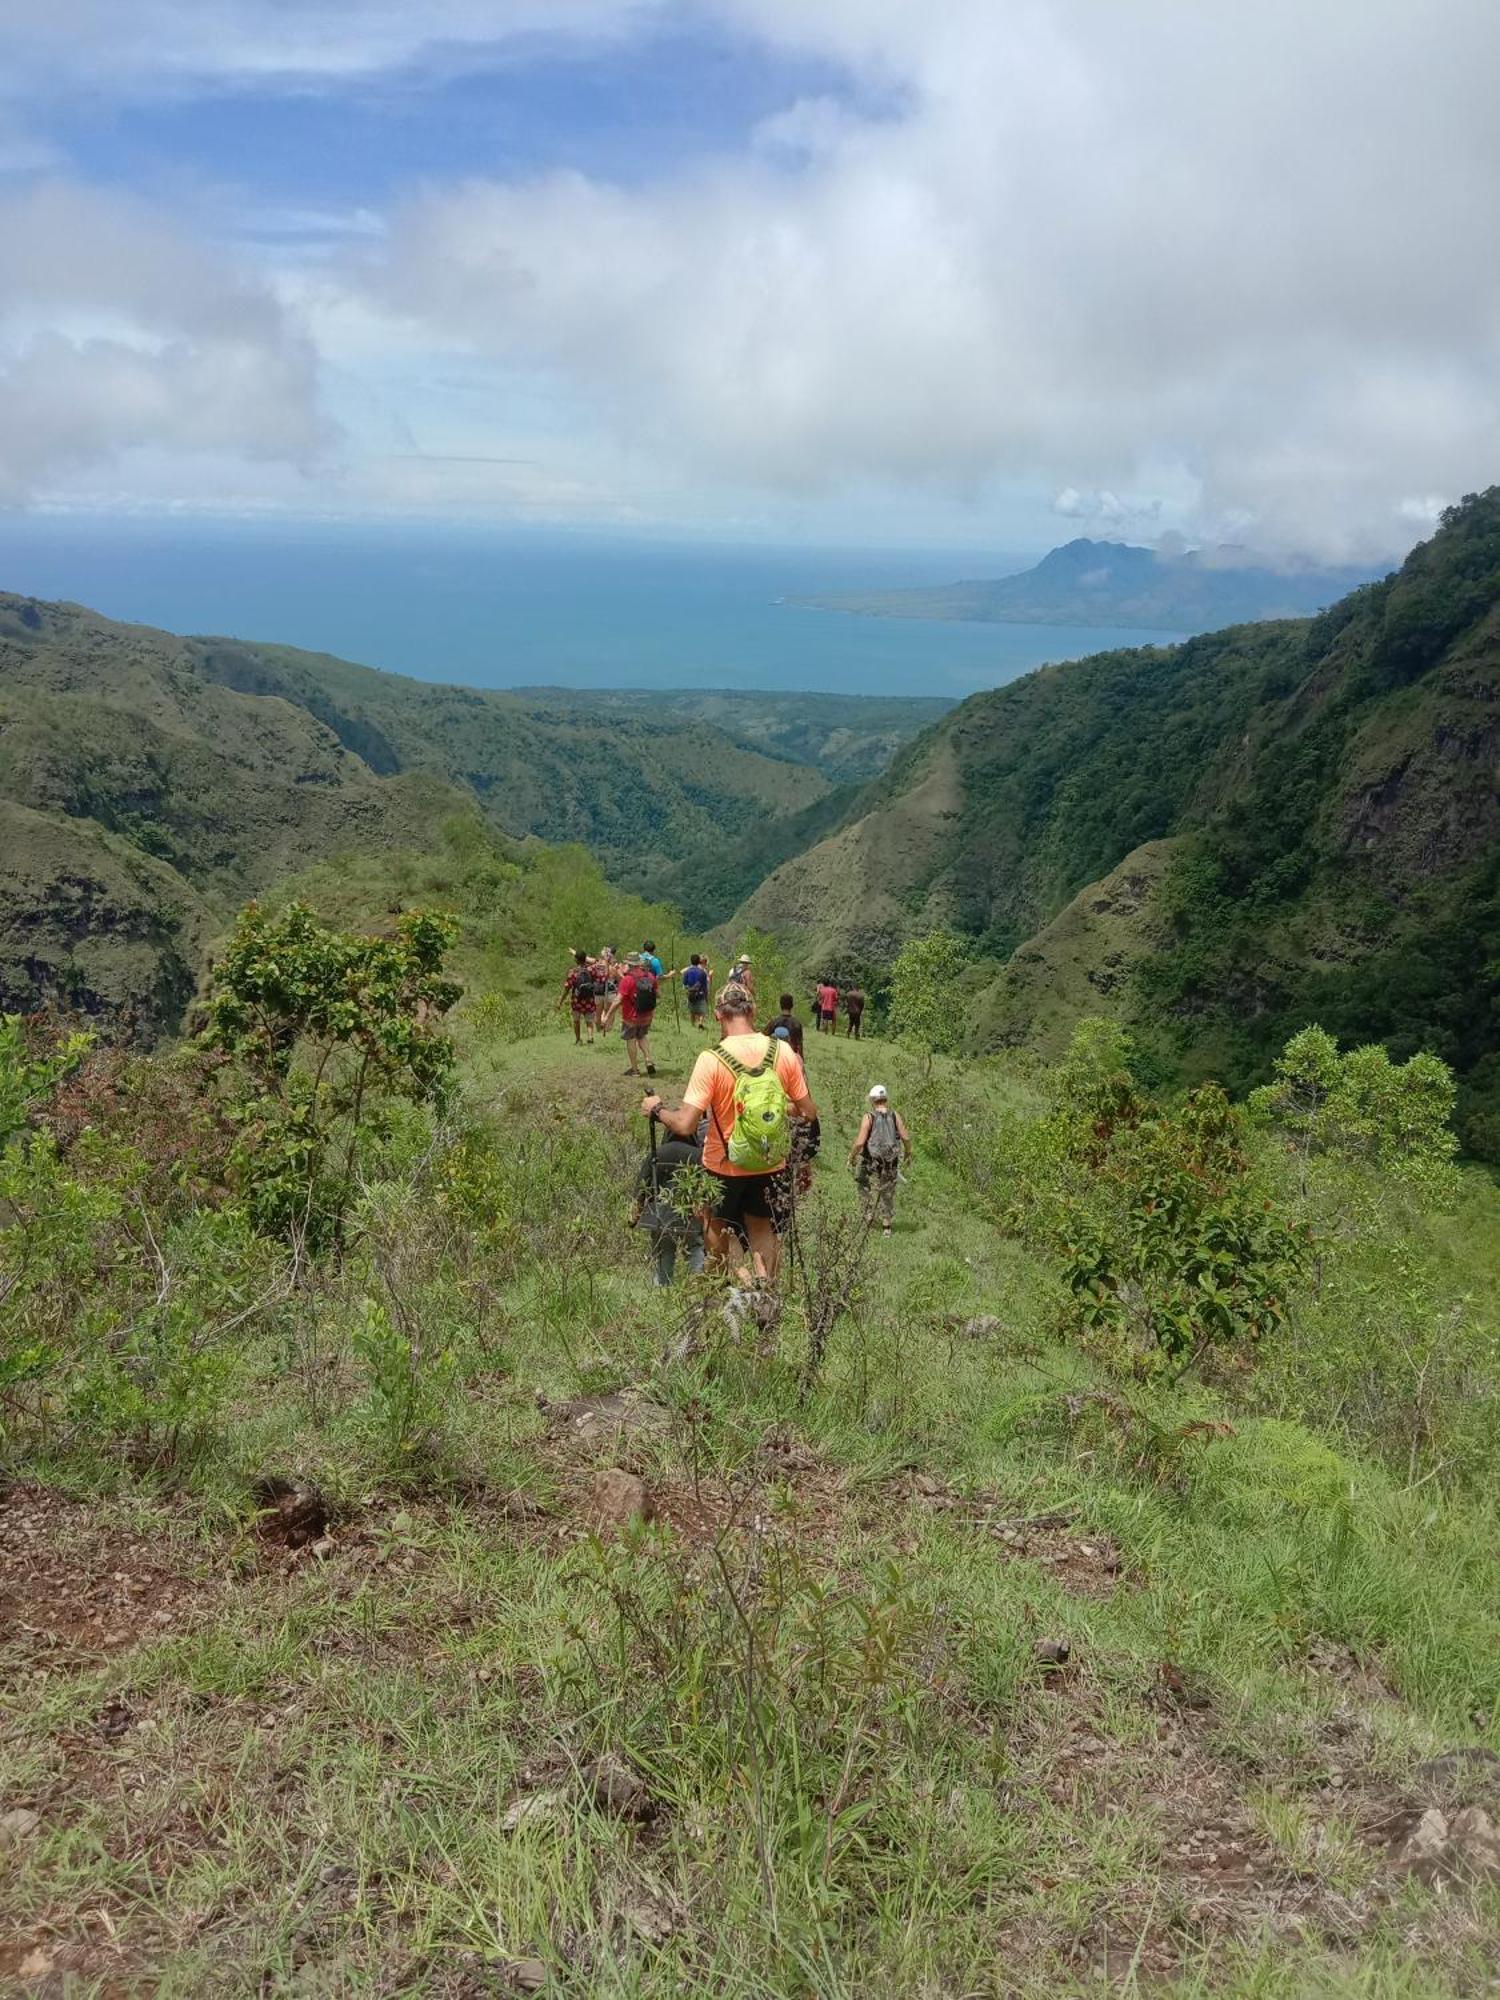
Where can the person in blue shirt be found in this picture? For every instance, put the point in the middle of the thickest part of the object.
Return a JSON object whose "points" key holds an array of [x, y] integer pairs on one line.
{"points": [[697, 982], [649, 958]]}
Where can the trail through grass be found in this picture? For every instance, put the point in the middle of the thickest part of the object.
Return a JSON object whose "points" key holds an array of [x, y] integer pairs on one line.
{"points": [[370, 1764]]}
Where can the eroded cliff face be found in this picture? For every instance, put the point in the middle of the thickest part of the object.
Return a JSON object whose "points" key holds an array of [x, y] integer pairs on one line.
{"points": [[90, 926], [1421, 792]]}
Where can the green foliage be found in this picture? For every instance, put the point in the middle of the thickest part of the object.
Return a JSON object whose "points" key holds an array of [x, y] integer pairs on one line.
{"points": [[768, 967], [321, 1032], [1362, 1106], [1176, 1249], [408, 1384], [32, 1065], [927, 991]]}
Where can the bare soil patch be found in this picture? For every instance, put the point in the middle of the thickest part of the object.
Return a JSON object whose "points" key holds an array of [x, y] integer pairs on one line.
{"points": [[74, 1588]]}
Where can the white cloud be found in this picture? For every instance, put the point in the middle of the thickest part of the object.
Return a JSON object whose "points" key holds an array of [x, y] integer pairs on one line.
{"points": [[117, 333], [1254, 241], [1233, 267]]}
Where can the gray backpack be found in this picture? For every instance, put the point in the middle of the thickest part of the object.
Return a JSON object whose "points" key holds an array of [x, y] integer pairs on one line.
{"points": [[884, 1142]]}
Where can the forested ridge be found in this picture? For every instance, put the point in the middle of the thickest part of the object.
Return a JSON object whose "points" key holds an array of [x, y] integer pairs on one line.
{"points": [[1328, 789]]}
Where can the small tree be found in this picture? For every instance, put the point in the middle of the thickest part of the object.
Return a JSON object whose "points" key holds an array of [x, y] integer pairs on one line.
{"points": [[321, 1033], [1361, 1108], [926, 1008], [1171, 1246], [768, 968]]}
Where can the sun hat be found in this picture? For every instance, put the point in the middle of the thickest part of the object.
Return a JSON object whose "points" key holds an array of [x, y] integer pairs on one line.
{"points": [[878, 1090]]}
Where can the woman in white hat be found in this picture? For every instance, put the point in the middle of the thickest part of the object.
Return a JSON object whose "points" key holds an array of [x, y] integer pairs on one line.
{"points": [[876, 1155]]}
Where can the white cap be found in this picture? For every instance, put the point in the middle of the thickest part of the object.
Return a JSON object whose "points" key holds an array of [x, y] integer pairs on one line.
{"points": [[878, 1090]]}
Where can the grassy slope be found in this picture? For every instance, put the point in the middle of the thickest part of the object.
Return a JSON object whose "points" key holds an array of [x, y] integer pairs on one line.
{"points": [[302, 1777]]}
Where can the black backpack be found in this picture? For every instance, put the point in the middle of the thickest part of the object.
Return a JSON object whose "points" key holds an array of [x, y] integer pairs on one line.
{"points": [[645, 993], [583, 987]]}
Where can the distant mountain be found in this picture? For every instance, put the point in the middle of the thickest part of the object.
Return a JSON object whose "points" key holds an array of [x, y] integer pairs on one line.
{"points": [[1113, 583], [149, 783], [1217, 841]]}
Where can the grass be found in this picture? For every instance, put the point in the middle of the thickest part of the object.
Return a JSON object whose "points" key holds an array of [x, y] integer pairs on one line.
{"points": [[365, 1770]]}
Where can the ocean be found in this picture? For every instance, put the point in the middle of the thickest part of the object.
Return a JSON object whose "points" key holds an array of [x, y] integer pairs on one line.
{"points": [[526, 608]]}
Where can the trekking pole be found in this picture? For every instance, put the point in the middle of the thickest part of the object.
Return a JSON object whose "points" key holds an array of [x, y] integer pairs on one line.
{"points": [[676, 1004]]}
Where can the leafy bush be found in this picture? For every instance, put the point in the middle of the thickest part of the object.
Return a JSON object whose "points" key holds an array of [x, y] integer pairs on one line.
{"points": [[927, 977], [1362, 1107], [320, 1032], [33, 1062]]}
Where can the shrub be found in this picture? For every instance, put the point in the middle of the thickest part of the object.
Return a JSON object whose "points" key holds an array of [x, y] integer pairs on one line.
{"points": [[926, 992], [320, 1033]]}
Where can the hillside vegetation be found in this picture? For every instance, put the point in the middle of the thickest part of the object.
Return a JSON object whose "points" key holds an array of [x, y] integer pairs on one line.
{"points": [[152, 782], [1091, 1588], [1327, 789]]}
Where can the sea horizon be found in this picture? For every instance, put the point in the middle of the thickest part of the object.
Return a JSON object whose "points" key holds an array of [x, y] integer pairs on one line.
{"points": [[533, 608]]}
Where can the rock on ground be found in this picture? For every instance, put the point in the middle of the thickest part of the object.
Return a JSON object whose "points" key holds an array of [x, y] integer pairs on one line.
{"points": [[616, 1498]]}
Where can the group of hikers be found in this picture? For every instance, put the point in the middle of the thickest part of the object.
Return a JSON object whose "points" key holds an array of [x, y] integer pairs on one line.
{"points": [[603, 987], [826, 999], [747, 1118]]}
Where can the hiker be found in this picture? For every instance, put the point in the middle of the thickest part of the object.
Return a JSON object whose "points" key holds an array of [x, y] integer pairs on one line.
{"points": [[826, 1006], [785, 1025], [650, 960], [854, 1009], [751, 1086], [671, 1229], [876, 1155], [697, 979], [580, 990], [635, 1003], [740, 974]]}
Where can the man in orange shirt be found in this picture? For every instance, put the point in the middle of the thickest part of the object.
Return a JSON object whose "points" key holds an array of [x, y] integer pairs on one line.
{"points": [[753, 1205]]}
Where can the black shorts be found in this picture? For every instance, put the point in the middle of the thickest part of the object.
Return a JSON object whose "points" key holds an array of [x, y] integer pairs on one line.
{"points": [[768, 1196]]}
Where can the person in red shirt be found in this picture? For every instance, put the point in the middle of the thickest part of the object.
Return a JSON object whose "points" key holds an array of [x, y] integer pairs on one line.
{"points": [[828, 1008], [752, 1207], [635, 1002]]}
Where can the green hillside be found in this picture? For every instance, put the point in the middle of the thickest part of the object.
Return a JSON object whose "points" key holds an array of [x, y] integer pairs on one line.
{"points": [[163, 779], [1330, 787], [850, 738]]}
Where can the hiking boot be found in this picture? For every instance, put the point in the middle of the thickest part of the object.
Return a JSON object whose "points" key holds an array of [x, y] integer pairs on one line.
{"points": [[651, 1069]]}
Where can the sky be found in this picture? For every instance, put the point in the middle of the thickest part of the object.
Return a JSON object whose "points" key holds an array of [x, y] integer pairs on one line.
{"points": [[974, 272]]}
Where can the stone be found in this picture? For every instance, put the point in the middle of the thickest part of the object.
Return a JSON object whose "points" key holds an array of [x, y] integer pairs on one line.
{"points": [[533, 1809], [1425, 1849], [615, 1788], [1474, 1845], [19, 1823], [983, 1326], [1052, 1654], [616, 1498]]}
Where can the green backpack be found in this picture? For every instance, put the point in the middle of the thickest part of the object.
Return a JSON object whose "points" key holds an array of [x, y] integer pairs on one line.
{"points": [[761, 1137]]}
